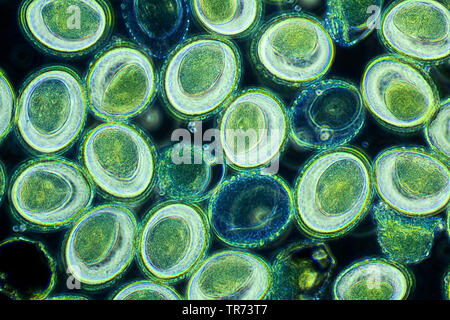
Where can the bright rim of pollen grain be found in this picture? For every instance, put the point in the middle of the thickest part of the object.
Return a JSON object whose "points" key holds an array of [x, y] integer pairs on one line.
{"points": [[118, 75], [110, 263], [45, 127], [40, 20], [228, 17], [321, 212], [188, 88], [269, 128]]}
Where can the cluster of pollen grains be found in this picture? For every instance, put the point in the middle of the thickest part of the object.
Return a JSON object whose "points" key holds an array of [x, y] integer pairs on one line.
{"points": [[398, 94], [373, 279], [121, 82], [293, 49], [200, 75], [225, 150], [230, 275], [51, 110], [120, 159], [66, 27], [50, 193], [253, 128], [412, 181], [173, 240], [146, 290], [417, 28], [236, 18], [100, 246], [333, 193], [6, 105]]}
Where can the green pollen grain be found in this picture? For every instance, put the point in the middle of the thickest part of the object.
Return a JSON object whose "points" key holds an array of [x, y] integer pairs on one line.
{"points": [[405, 242], [418, 177], [246, 119], [49, 106], [356, 11], [61, 20], [339, 187], [96, 238], [218, 11], [307, 277], [168, 243], [225, 277], [145, 295], [201, 68], [294, 40], [126, 90], [405, 101], [421, 21], [369, 289], [43, 191], [117, 153]]}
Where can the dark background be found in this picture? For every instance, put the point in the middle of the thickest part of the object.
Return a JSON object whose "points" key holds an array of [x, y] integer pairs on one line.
{"points": [[20, 59]]}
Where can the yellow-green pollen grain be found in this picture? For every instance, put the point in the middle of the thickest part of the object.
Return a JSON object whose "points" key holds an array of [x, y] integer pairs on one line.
{"points": [[49, 106], [294, 40], [245, 119], [307, 277], [58, 19], [43, 191], [201, 68], [339, 187], [405, 241], [421, 21], [167, 243], [126, 90], [369, 289], [96, 238], [117, 153], [225, 277], [218, 11], [405, 101], [418, 177], [145, 295], [355, 11]]}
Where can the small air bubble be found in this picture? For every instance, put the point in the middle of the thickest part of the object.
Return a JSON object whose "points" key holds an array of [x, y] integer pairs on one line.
{"points": [[191, 126], [325, 135]]}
